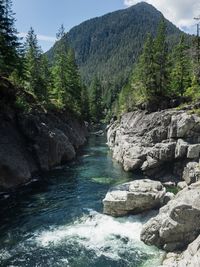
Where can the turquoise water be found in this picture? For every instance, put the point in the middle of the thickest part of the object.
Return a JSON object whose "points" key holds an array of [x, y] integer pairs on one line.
{"points": [[61, 223]]}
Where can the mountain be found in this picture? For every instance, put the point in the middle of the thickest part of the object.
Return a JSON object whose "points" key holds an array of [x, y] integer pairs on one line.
{"points": [[108, 46]]}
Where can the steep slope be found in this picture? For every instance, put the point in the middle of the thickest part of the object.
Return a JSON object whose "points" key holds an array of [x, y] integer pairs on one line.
{"points": [[108, 46]]}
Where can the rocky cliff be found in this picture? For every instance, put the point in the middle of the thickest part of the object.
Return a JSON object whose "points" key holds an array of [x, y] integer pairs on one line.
{"points": [[164, 145], [34, 140]]}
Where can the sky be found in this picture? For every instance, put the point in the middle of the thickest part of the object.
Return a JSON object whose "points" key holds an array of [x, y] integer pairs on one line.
{"points": [[46, 16]]}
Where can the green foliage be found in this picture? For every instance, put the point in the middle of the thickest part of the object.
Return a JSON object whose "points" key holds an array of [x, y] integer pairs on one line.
{"points": [[193, 92], [36, 66], [160, 61], [9, 44], [96, 109], [159, 75], [181, 71], [109, 46], [66, 91]]}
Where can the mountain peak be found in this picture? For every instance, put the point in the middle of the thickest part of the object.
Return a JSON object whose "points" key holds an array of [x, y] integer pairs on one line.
{"points": [[109, 46]]}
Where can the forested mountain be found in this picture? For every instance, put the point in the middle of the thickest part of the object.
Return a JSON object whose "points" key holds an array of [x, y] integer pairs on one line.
{"points": [[108, 46]]}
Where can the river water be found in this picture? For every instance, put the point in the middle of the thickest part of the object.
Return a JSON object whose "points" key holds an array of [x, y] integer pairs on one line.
{"points": [[61, 223]]}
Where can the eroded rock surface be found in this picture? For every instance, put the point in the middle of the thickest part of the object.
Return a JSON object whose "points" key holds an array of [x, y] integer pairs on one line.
{"points": [[156, 143]]}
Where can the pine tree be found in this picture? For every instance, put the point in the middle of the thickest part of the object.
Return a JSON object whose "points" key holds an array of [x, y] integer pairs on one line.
{"points": [[73, 81], [96, 100], [146, 68], [181, 71], [161, 60], [85, 108], [36, 67], [59, 71], [9, 43]]}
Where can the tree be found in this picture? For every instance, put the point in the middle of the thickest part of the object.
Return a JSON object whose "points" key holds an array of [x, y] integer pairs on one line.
{"points": [[96, 100], [73, 81], [59, 70], [36, 67], [181, 71], [85, 108], [146, 68], [161, 60], [9, 43]]}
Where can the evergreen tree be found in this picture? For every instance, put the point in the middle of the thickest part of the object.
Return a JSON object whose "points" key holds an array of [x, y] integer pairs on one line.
{"points": [[161, 60], [73, 81], [9, 43], [181, 71], [146, 68], [96, 100], [36, 67], [85, 108], [59, 71]]}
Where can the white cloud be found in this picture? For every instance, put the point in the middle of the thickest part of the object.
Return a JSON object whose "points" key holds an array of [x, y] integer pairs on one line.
{"points": [[180, 12], [39, 37]]}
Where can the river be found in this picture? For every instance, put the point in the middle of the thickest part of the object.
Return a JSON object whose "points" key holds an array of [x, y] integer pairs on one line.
{"points": [[61, 222]]}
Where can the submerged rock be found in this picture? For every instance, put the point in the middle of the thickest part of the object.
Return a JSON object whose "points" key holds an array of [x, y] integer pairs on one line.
{"points": [[134, 197], [177, 224]]}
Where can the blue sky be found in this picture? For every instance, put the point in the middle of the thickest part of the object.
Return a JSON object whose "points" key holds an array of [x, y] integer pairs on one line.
{"points": [[46, 16]]}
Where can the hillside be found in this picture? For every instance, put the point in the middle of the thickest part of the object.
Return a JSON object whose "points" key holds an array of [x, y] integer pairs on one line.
{"points": [[108, 46]]}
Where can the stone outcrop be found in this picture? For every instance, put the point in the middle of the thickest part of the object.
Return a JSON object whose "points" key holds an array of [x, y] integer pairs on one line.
{"points": [[190, 257], [158, 144], [178, 222], [33, 141], [135, 197]]}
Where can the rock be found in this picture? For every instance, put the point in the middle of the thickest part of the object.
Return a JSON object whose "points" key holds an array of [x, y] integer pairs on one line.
{"points": [[190, 257], [182, 185], [134, 197], [181, 149], [156, 142], [191, 173], [131, 165], [177, 223], [193, 151], [36, 142], [168, 196]]}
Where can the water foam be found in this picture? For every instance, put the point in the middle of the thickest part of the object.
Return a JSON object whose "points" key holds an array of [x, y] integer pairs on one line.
{"points": [[104, 235]]}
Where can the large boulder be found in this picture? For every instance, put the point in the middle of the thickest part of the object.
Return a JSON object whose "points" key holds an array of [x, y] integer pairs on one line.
{"points": [[134, 197], [177, 223]]}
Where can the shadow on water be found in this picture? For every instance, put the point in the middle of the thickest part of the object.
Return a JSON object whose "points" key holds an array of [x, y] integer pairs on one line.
{"points": [[60, 223]]}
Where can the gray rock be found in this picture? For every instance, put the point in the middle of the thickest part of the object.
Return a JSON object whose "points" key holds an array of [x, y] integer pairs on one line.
{"points": [[191, 173], [181, 149], [177, 223], [151, 141], [190, 257], [134, 197], [182, 185], [193, 151]]}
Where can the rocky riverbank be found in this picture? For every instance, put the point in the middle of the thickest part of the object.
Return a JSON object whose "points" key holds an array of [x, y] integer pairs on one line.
{"points": [[162, 144], [33, 141], [165, 146]]}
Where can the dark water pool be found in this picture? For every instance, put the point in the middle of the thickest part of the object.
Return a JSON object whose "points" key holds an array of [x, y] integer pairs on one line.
{"points": [[61, 224]]}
